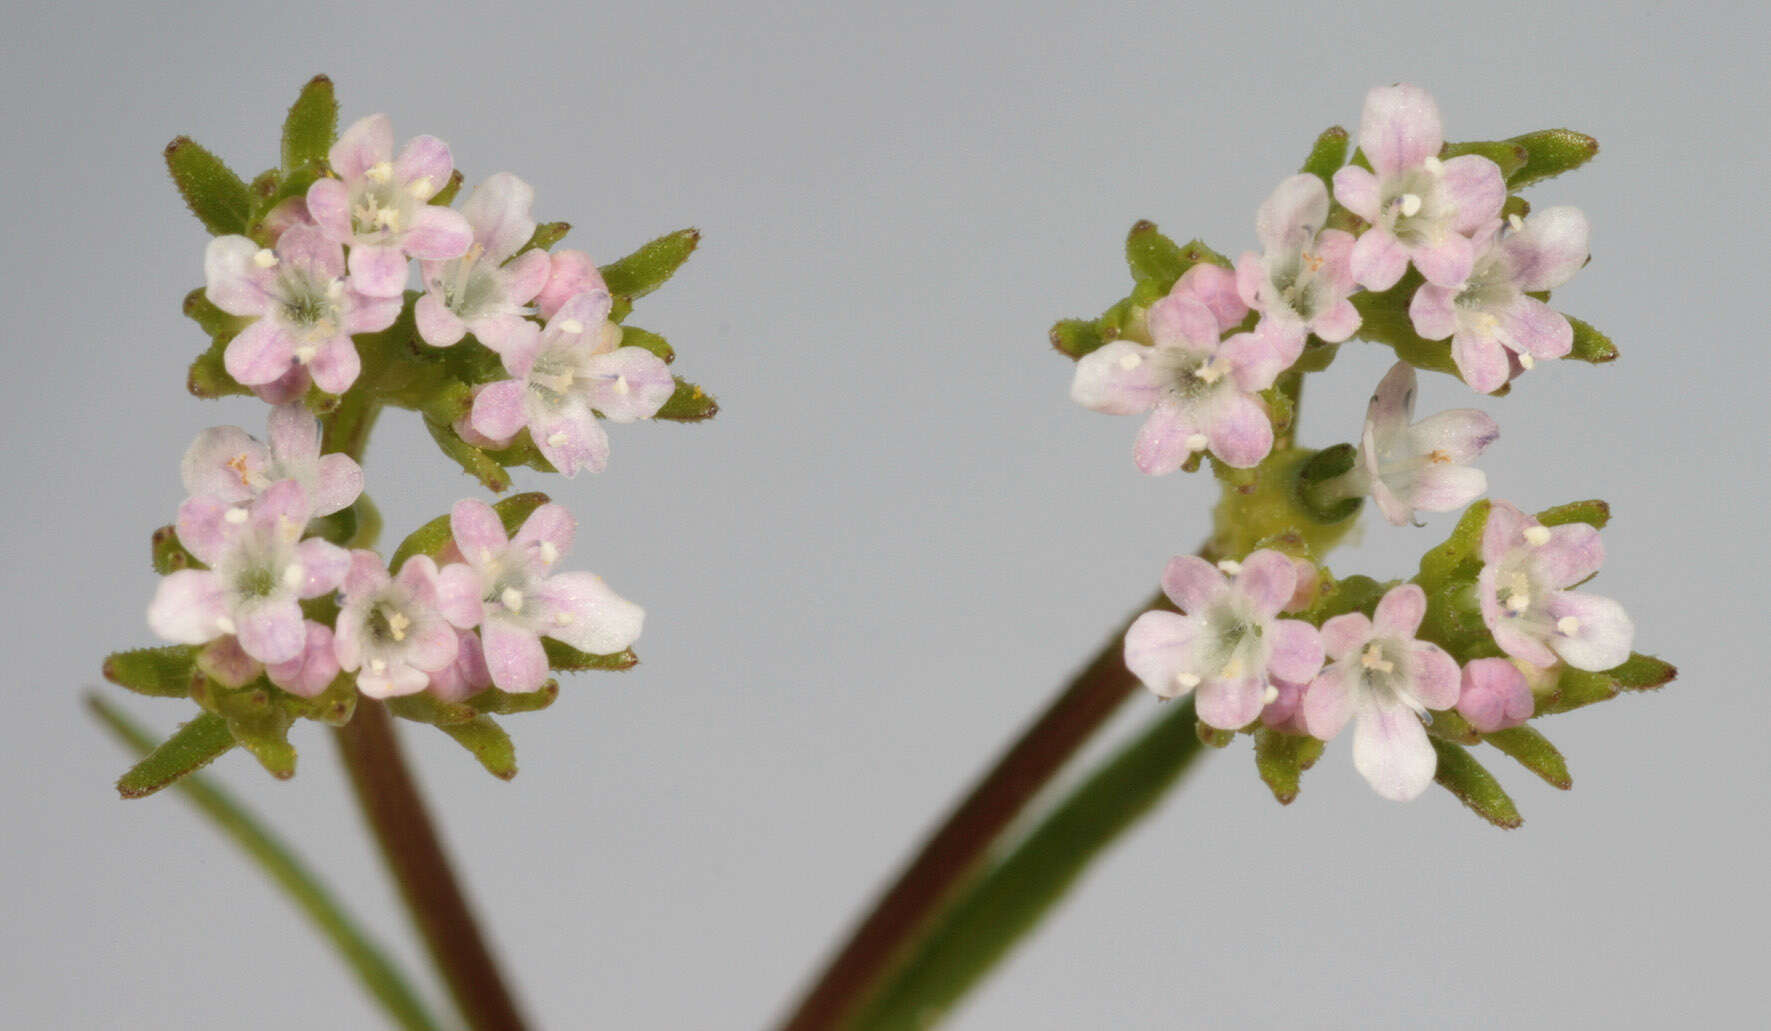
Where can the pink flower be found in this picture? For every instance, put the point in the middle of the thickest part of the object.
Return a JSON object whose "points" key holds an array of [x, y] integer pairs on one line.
{"points": [[1301, 281], [568, 377], [1525, 600], [1424, 465], [467, 675], [259, 568], [508, 588], [312, 671], [380, 205], [226, 463], [1200, 392], [391, 632], [478, 292], [305, 314], [1420, 208], [1493, 325], [1229, 644], [1495, 695], [1384, 679]]}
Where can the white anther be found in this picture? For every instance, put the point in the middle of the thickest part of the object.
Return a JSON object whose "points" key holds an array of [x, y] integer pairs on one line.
{"points": [[379, 172], [1526, 361], [1516, 222], [378, 665], [397, 622], [420, 187], [512, 599], [557, 439], [305, 353], [1537, 536], [224, 624], [1196, 441], [265, 258], [235, 516], [1230, 566], [562, 619], [1187, 681], [1567, 626], [1433, 164], [1130, 361], [485, 556], [1374, 659], [1233, 670], [1410, 205], [1213, 370], [621, 386], [387, 218], [335, 289], [1270, 695], [293, 575], [549, 552], [1518, 601], [572, 326]]}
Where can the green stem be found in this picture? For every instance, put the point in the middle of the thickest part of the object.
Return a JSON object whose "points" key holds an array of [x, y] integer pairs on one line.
{"points": [[372, 967], [998, 908]]}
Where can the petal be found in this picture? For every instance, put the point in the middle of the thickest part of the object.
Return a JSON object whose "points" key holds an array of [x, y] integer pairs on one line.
{"points": [[1183, 320], [548, 525], [1448, 262], [367, 314], [234, 281], [477, 531], [1391, 406], [1256, 359], [1162, 443], [1327, 703], [1399, 128], [294, 437], [368, 142], [1239, 431], [433, 645], [1573, 552], [1297, 651], [460, 589], [1536, 328], [581, 610], [1400, 611], [1267, 580], [498, 410], [517, 347], [527, 275], [1289, 219], [514, 656], [336, 365], [329, 205], [203, 527], [1379, 259], [1513, 639], [1480, 359], [588, 309], [1503, 530], [1357, 191], [1339, 322], [437, 234], [424, 166], [1215, 287], [365, 576], [1251, 275], [571, 273], [337, 484], [271, 630], [223, 462], [1193, 583], [1345, 635], [1550, 249], [400, 679], [323, 567], [1592, 633], [1475, 185], [224, 662], [188, 607], [1118, 379], [1458, 435], [572, 441], [308, 248], [498, 210], [1335, 249], [628, 384], [1436, 676], [1158, 649], [1391, 751], [1432, 311], [1494, 695], [439, 326], [1230, 704], [260, 353], [281, 511], [1440, 488], [503, 333], [378, 271]]}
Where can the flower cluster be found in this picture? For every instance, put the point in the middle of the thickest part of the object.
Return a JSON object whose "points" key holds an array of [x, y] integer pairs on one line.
{"points": [[1425, 247], [513, 354]]}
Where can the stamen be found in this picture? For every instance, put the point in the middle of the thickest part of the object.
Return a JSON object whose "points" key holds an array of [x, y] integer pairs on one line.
{"points": [[572, 326], [562, 619], [235, 516], [1432, 164], [1518, 601], [1438, 456], [420, 187], [1516, 222], [512, 599], [1567, 626], [1196, 441], [1374, 659], [1526, 361], [485, 556], [1537, 536], [1130, 361], [1213, 370], [549, 552], [557, 439], [1270, 695], [293, 575], [335, 289], [378, 665], [224, 624], [305, 353], [265, 258], [397, 622], [1230, 566], [379, 172], [621, 386], [1410, 205], [1187, 681]]}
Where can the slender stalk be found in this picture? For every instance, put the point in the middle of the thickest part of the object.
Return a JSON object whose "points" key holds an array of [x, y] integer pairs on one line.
{"points": [[378, 974], [904, 912], [402, 825]]}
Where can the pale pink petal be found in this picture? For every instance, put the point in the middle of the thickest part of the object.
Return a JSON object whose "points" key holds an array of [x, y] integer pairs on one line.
{"points": [[1339, 322], [294, 436], [222, 462], [423, 166], [572, 442], [1521, 645], [1433, 312], [329, 204], [260, 353], [498, 210], [1448, 262], [1285, 711], [1180, 319], [1251, 275], [282, 510], [1400, 611], [337, 484], [1541, 331], [234, 281], [378, 270], [1345, 634], [498, 410], [309, 248], [527, 275], [628, 384], [271, 630], [1192, 583], [477, 531], [313, 670], [1442, 488], [517, 346], [1379, 259], [1550, 249], [203, 527], [226, 663], [1494, 695], [368, 142], [347, 644], [336, 365], [1458, 435], [1327, 703], [1503, 530], [323, 566], [1399, 128], [1592, 633], [581, 610], [571, 273], [1230, 704], [439, 326], [1158, 649], [367, 314], [1239, 432], [1390, 749], [1297, 651], [1335, 248], [514, 656], [1267, 581], [1161, 445], [1118, 379], [418, 574], [1257, 358], [1290, 217], [1392, 404], [399, 679], [188, 607], [589, 309], [1436, 675], [1480, 359], [433, 646], [1573, 552], [460, 590], [1357, 191], [437, 234], [1475, 185], [1216, 288], [365, 575], [549, 525]]}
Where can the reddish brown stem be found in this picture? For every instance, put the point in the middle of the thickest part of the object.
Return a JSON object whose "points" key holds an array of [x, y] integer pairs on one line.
{"points": [[402, 825]]}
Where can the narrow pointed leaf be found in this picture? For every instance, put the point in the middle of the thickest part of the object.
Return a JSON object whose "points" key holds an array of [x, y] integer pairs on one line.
{"points": [[489, 744], [1510, 155], [425, 707], [218, 197], [1590, 345], [564, 657], [473, 461], [192, 747], [1551, 152], [333, 706], [170, 556], [1460, 774], [633, 336], [689, 404], [1282, 759], [1534, 752], [1074, 338], [1594, 513], [1643, 673], [1328, 155], [545, 236], [157, 672], [1576, 688], [1153, 256], [311, 125], [1458, 555], [446, 196], [1450, 725], [208, 376], [267, 739], [213, 320], [503, 703], [646, 269]]}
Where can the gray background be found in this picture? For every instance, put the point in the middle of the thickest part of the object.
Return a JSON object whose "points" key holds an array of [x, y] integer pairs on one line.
{"points": [[899, 535]]}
